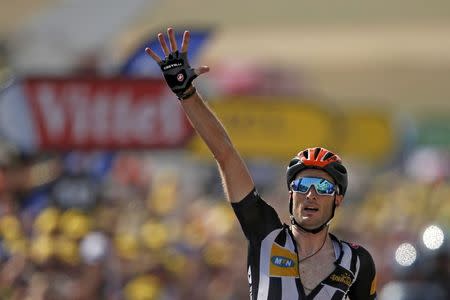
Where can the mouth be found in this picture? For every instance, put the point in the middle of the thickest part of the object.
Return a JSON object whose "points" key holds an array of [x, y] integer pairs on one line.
{"points": [[310, 209]]}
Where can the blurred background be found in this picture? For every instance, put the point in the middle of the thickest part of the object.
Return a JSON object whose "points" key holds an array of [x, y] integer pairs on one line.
{"points": [[106, 192]]}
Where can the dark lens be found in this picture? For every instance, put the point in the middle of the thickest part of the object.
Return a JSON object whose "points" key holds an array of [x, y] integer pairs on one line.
{"points": [[325, 187], [302, 187], [297, 186]]}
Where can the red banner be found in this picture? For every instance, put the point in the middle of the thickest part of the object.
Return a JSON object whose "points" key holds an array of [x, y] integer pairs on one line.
{"points": [[105, 113]]}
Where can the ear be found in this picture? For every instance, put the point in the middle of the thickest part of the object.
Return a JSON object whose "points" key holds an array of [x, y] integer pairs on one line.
{"points": [[338, 200]]}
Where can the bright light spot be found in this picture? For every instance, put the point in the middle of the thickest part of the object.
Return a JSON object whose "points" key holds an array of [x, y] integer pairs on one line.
{"points": [[433, 237], [392, 290], [93, 247], [405, 255]]}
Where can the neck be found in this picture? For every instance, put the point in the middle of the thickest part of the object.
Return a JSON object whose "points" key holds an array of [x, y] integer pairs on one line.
{"points": [[308, 243]]}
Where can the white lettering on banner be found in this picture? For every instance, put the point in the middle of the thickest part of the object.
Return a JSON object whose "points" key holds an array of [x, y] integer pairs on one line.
{"points": [[99, 117], [120, 113], [106, 113], [121, 122], [55, 122], [145, 114], [78, 107]]}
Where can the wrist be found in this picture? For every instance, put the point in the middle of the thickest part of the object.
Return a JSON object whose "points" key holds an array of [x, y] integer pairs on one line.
{"points": [[189, 92]]}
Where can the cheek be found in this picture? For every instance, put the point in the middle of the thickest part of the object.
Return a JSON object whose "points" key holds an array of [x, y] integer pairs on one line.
{"points": [[297, 202], [328, 203]]}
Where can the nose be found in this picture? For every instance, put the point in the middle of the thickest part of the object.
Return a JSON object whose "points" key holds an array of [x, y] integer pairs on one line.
{"points": [[311, 192]]}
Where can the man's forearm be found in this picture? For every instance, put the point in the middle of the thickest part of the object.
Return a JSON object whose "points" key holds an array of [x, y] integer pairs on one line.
{"points": [[208, 126], [235, 176]]}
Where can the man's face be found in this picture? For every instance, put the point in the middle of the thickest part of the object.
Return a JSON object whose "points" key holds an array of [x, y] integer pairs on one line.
{"points": [[311, 210]]}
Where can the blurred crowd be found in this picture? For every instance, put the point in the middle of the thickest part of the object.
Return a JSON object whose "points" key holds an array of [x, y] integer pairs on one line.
{"points": [[135, 226], [73, 235]]}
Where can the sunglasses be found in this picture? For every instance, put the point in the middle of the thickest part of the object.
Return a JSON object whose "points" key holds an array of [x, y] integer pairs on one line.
{"points": [[322, 186]]}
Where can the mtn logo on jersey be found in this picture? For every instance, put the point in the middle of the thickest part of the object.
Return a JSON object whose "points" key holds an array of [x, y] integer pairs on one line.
{"points": [[283, 262]]}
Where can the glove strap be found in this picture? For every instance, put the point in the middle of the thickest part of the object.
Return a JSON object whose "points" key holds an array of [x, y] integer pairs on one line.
{"points": [[187, 94]]}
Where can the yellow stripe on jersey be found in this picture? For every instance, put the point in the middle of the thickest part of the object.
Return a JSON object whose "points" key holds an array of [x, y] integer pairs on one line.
{"points": [[283, 262], [373, 287]]}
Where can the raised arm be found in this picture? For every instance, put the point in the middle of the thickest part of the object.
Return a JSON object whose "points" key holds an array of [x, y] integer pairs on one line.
{"points": [[179, 76]]}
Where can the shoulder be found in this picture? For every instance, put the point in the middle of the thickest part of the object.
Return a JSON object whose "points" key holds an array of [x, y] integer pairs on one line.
{"points": [[358, 249], [257, 218], [362, 252], [248, 200], [365, 258], [364, 285]]}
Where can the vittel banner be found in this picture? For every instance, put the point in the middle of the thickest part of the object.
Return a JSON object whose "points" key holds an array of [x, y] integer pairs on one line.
{"points": [[93, 113]]}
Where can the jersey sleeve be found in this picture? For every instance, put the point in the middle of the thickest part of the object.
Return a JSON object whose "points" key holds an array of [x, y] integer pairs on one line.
{"points": [[364, 287], [257, 218]]}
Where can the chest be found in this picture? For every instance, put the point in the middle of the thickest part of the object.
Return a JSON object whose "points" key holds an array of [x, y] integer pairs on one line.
{"points": [[317, 277], [315, 269]]}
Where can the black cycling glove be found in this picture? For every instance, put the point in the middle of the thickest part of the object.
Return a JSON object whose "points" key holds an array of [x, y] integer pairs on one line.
{"points": [[178, 74]]}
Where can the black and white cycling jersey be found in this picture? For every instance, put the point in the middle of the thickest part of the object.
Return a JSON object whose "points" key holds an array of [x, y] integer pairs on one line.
{"points": [[273, 271]]}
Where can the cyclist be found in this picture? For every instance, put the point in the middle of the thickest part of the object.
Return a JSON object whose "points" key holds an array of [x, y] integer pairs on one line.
{"points": [[301, 260]]}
